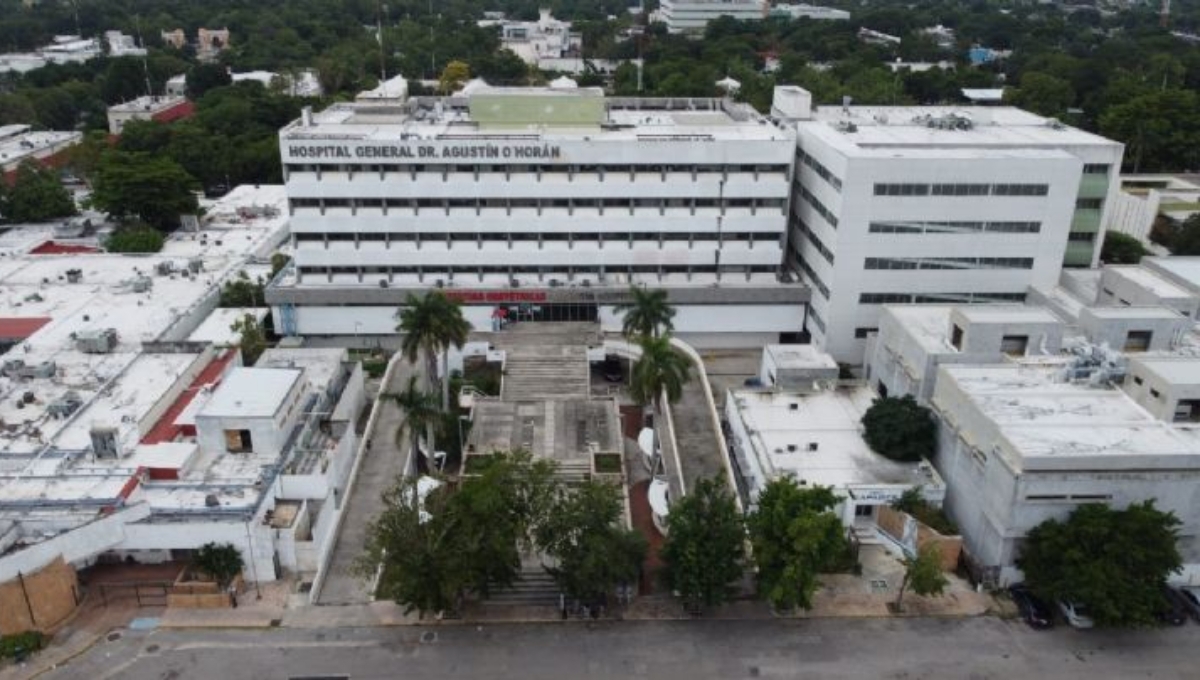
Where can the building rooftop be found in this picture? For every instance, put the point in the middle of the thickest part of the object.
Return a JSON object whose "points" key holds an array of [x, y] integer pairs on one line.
{"points": [[1134, 312], [1022, 314], [1157, 284], [147, 104], [886, 131], [1185, 269], [17, 143], [929, 325], [251, 393], [1179, 370], [1050, 424], [561, 114], [564, 431], [799, 356], [817, 438]]}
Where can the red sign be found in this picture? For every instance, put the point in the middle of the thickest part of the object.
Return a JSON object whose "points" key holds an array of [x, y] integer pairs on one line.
{"points": [[477, 296]]}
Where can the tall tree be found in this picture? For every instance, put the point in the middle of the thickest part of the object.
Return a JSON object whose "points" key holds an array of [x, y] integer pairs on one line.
{"points": [[922, 574], [794, 537], [431, 325], [647, 315], [1122, 249], [660, 367], [1115, 562], [592, 554], [36, 195], [704, 546], [453, 76], [221, 561], [420, 413], [899, 428], [153, 188], [251, 338]]}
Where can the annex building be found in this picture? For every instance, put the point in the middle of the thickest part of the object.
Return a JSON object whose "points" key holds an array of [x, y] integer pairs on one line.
{"points": [[539, 204]]}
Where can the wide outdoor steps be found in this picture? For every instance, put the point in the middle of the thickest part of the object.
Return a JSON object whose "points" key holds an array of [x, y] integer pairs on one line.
{"points": [[545, 372], [534, 587]]}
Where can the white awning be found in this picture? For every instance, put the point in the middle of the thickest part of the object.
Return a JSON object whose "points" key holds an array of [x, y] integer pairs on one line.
{"points": [[660, 497], [646, 441]]}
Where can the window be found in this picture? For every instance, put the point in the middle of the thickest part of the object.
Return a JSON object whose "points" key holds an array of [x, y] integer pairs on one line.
{"points": [[818, 206], [1020, 189], [863, 331], [949, 263], [1095, 169], [1138, 341], [238, 441], [1014, 345], [956, 337], [1137, 380], [822, 171], [1089, 203], [1155, 393], [816, 319], [1081, 236], [1187, 411], [960, 190], [901, 189], [942, 227]]}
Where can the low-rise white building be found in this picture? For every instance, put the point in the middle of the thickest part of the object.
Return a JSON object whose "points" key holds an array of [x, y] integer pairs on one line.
{"points": [[815, 437], [804, 11], [533, 41], [1137, 285], [19, 144], [691, 16], [162, 109], [1021, 444]]}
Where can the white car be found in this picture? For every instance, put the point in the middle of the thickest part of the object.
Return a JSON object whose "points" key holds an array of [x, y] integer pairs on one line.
{"points": [[1076, 614]]}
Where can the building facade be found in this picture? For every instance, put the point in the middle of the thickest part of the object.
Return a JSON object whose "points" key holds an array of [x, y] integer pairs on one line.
{"points": [[691, 16], [936, 205], [538, 204]]}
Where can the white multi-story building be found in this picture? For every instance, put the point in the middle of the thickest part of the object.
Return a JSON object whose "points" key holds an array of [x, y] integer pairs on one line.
{"points": [[936, 205], [540, 204], [815, 12], [691, 16]]}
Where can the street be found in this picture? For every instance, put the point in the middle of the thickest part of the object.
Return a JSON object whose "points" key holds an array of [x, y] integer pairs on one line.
{"points": [[976, 648]]}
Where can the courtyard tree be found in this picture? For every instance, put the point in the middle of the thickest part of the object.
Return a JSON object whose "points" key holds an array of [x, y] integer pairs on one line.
{"points": [[899, 428], [251, 338], [704, 547], [420, 413], [35, 195], [795, 537], [454, 76], [134, 238], [590, 552], [220, 561], [647, 315], [922, 574], [660, 367], [415, 551], [431, 324], [154, 189], [1122, 249], [1115, 562]]}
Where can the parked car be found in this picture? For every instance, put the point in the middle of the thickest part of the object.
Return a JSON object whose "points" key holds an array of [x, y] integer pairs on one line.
{"points": [[1174, 611], [1190, 598], [1076, 614], [612, 368], [1033, 611]]}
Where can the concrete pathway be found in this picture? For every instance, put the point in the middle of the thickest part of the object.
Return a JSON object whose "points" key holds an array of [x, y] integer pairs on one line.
{"points": [[383, 461]]}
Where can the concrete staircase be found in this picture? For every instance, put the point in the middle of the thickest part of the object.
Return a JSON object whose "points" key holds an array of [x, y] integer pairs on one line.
{"points": [[573, 472], [534, 587], [545, 372]]}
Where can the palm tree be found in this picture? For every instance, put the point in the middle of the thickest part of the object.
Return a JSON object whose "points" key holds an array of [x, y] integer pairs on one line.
{"points": [[430, 326], [647, 315], [660, 367], [420, 413]]}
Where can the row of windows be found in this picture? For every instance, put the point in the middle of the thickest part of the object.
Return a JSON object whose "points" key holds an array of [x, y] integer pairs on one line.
{"points": [[816, 243], [1095, 169], [469, 270], [961, 189], [1089, 203], [949, 263], [922, 227], [816, 319], [1082, 237], [863, 331], [818, 206], [510, 169], [816, 280], [936, 298], [822, 171], [508, 237], [477, 204]]}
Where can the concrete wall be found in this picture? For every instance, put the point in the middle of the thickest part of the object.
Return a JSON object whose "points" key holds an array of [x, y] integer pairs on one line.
{"points": [[1156, 393], [1133, 215], [75, 545], [38, 600], [913, 535], [254, 540], [1114, 331], [182, 383], [268, 434], [1119, 290]]}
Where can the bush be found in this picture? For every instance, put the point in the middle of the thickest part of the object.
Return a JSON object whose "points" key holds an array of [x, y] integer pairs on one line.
{"points": [[914, 504], [1122, 249], [900, 429], [12, 646], [141, 239], [221, 561]]}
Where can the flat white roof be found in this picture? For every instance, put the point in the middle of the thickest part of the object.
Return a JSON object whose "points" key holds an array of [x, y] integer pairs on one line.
{"points": [[1186, 269], [16, 148], [799, 356], [783, 438], [248, 392], [929, 325], [1151, 281], [1024, 314], [1175, 370], [1135, 312], [216, 328], [147, 104], [320, 364]]}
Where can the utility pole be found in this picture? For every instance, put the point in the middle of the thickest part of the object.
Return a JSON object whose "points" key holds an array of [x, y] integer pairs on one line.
{"points": [[1164, 16], [382, 54]]}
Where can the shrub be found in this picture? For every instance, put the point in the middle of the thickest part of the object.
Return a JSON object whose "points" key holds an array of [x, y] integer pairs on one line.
{"points": [[933, 517], [12, 646], [140, 239], [900, 429]]}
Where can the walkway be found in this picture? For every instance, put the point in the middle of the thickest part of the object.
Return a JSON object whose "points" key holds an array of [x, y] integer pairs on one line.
{"points": [[700, 454], [382, 462]]}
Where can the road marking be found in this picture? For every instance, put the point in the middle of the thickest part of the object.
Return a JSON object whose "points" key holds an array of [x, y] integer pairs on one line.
{"points": [[345, 644]]}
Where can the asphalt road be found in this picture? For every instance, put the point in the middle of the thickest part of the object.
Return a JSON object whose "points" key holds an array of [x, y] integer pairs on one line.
{"points": [[904, 649]]}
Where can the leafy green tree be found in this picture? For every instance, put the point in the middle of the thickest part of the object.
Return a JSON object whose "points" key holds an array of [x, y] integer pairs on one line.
{"points": [[1122, 249], [923, 574], [123, 80], [591, 553], [16, 109], [420, 413], [417, 553], [251, 338], [431, 324], [144, 136], [899, 428], [1160, 129], [795, 537], [204, 77], [1115, 562], [648, 314], [242, 291], [660, 367], [704, 547], [220, 561], [36, 195], [1185, 239], [454, 76], [1043, 94], [134, 239], [152, 188]]}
